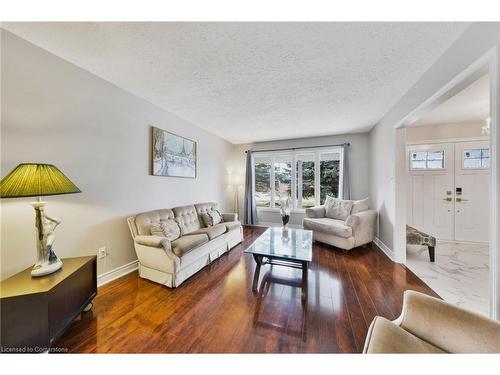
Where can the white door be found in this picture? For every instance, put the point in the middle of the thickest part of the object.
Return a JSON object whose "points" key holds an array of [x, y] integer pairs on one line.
{"points": [[472, 191], [431, 187]]}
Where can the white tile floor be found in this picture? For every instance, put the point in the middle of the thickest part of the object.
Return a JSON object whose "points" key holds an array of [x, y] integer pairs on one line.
{"points": [[460, 274]]}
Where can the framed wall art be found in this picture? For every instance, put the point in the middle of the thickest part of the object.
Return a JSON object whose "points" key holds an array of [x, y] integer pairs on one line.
{"points": [[173, 155]]}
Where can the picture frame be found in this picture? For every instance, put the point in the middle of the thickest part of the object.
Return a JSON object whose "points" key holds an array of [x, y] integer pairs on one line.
{"points": [[173, 155]]}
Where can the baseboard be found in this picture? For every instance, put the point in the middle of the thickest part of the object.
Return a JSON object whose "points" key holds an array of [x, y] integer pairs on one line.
{"points": [[384, 248], [118, 272]]}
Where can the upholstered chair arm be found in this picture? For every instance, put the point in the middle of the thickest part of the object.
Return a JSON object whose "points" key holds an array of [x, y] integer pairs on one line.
{"points": [[352, 221], [154, 241], [448, 327], [315, 212], [363, 226], [363, 218], [230, 217]]}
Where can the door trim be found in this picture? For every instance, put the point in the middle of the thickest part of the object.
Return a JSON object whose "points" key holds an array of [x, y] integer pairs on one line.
{"points": [[448, 140], [488, 63]]}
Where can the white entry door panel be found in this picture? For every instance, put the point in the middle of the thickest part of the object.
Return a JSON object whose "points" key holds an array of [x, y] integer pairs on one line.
{"points": [[431, 186], [472, 191]]}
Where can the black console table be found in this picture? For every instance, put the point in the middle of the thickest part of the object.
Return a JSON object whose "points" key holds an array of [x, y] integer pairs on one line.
{"points": [[36, 311]]}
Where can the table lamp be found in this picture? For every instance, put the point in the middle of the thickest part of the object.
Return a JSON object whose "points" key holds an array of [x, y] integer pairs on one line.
{"points": [[37, 180]]}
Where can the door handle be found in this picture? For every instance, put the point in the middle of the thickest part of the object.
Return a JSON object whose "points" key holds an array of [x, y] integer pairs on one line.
{"points": [[448, 199], [461, 200]]}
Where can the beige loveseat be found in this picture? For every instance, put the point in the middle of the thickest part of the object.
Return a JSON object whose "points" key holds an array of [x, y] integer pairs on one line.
{"points": [[356, 229], [170, 262], [430, 325]]}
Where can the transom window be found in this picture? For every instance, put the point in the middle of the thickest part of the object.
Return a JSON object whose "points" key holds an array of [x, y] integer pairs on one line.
{"points": [[427, 159], [476, 158], [305, 176]]}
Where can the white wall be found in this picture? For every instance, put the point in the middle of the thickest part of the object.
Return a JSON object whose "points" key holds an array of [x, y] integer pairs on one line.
{"points": [[99, 136], [477, 40], [359, 154], [443, 131]]}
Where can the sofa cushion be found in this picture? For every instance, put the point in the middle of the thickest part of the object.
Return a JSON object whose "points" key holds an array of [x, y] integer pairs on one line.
{"points": [[327, 225], [386, 337], [212, 232], [187, 218], [232, 225], [185, 244], [315, 212], [168, 229], [361, 205], [337, 208]]}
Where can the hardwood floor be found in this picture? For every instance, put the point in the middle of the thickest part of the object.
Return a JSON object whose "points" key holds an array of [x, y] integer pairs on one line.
{"points": [[215, 311]]}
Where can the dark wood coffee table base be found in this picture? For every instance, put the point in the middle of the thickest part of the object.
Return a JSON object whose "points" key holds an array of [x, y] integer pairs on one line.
{"points": [[278, 261]]}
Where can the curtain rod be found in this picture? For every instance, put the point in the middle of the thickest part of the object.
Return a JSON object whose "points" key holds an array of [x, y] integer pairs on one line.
{"points": [[298, 148]]}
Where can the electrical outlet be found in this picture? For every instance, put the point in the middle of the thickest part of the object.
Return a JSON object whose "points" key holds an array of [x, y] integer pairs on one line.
{"points": [[102, 252]]}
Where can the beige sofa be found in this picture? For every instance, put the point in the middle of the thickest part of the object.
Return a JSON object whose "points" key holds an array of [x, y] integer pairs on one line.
{"points": [[358, 229], [170, 262], [430, 325]]}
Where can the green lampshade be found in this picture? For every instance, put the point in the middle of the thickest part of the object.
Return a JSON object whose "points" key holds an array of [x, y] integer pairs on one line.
{"points": [[34, 180]]}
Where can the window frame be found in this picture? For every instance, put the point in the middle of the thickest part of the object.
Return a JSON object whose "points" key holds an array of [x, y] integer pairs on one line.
{"points": [[481, 159], [264, 159], [294, 155], [427, 152]]}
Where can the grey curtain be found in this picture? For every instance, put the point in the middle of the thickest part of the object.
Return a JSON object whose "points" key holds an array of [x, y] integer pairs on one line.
{"points": [[250, 216], [346, 183]]}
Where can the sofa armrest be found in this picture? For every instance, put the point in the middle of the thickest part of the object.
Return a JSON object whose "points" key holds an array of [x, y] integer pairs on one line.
{"points": [[315, 212], [154, 241], [230, 217], [448, 327]]}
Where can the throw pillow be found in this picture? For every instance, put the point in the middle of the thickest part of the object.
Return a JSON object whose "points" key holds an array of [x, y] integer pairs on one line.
{"points": [[337, 208], [207, 219], [211, 218], [168, 229], [217, 216], [361, 205], [156, 230]]}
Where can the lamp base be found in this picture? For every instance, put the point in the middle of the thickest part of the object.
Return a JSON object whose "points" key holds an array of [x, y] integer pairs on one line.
{"points": [[46, 268], [47, 260]]}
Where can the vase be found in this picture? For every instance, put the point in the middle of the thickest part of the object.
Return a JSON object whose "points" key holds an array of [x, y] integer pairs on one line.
{"points": [[285, 211], [285, 218]]}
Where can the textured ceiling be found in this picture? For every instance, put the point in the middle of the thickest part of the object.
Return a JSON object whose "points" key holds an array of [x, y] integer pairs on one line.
{"points": [[472, 104], [256, 81]]}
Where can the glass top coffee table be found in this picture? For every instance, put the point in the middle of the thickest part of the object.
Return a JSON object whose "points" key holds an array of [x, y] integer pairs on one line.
{"points": [[283, 247]]}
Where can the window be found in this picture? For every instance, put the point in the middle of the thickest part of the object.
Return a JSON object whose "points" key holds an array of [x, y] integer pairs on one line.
{"points": [[476, 158], [307, 177], [262, 182], [306, 173], [329, 167], [427, 160], [282, 179]]}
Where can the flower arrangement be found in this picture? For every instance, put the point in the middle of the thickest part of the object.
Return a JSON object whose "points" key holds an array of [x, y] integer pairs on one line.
{"points": [[285, 208]]}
